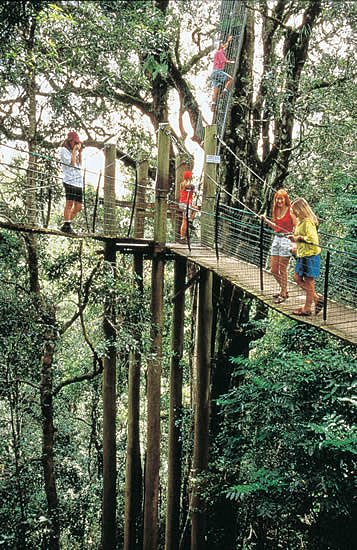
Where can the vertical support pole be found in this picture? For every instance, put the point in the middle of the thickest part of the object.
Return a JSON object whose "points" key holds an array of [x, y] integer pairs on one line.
{"points": [[216, 222], [109, 370], [109, 190], [202, 409], [162, 185], [96, 203], [172, 535], [327, 270], [261, 255], [209, 188], [133, 478], [142, 171], [154, 366]]}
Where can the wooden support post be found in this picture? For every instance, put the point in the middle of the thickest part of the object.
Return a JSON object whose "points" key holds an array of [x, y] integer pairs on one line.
{"points": [[209, 187], [133, 479], [154, 366], [142, 171], [202, 408], [109, 374], [172, 538], [109, 190], [162, 185]]}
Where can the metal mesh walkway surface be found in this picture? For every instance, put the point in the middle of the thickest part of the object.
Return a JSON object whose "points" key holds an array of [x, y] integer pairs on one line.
{"points": [[341, 320]]}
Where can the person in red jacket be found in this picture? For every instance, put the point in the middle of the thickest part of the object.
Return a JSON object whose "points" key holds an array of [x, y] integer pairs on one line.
{"points": [[185, 202], [219, 76]]}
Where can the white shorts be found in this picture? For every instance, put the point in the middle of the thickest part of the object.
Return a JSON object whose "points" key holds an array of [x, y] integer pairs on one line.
{"points": [[281, 246], [183, 206]]}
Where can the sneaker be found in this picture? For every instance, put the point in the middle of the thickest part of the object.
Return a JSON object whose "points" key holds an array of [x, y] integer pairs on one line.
{"points": [[67, 228]]}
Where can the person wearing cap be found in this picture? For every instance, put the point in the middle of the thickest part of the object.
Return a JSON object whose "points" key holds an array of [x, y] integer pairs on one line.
{"points": [[71, 158], [185, 202]]}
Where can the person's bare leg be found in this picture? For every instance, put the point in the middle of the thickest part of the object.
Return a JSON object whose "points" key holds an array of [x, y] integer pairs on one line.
{"points": [[228, 83], [308, 285], [77, 207], [183, 228], [310, 293], [274, 268], [215, 94], [67, 213], [283, 274]]}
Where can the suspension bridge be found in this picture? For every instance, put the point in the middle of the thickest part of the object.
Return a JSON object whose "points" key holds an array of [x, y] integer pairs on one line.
{"points": [[232, 242]]}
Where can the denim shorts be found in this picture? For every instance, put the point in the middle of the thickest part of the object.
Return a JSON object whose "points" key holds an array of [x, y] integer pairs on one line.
{"points": [[308, 266], [281, 246], [218, 78]]}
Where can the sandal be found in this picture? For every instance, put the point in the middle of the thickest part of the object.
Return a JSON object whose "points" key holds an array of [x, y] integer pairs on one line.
{"points": [[301, 313], [319, 305], [280, 299], [278, 295]]}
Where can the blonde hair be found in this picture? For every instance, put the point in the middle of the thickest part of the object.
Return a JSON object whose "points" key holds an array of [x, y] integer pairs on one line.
{"points": [[303, 211]]}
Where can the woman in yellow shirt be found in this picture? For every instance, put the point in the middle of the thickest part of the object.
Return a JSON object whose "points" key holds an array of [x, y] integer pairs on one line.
{"points": [[307, 266]]}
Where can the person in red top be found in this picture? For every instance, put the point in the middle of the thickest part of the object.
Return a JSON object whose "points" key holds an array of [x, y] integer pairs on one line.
{"points": [[219, 76], [283, 223], [185, 202]]}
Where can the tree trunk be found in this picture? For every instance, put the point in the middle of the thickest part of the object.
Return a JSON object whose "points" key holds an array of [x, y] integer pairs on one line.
{"points": [[48, 432]]}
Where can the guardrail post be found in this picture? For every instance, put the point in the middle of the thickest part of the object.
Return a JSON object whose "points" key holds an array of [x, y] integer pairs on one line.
{"points": [[109, 189], [162, 184], [209, 187], [261, 256], [327, 269]]}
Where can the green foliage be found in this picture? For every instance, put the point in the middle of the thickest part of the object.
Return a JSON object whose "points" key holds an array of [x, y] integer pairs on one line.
{"points": [[288, 448]]}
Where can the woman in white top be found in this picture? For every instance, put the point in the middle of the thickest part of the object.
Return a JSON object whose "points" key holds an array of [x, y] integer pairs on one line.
{"points": [[71, 158]]}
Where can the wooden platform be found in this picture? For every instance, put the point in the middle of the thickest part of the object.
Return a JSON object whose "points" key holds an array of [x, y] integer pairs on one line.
{"points": [[340, 321]]}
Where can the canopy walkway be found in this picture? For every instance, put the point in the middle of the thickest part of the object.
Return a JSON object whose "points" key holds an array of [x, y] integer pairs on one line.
{"points": [[231, 242]]}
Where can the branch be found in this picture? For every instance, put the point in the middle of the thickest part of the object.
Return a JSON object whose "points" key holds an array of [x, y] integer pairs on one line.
{"points": [[324, 84], [189, 103], [274, 18], [80, 378], [83, 304], [22, 381], [195, 59]]}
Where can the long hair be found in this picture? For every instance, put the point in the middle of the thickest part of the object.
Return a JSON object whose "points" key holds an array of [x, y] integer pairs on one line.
{"points": [[67, 144], [280, 193], [303, 211]]}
